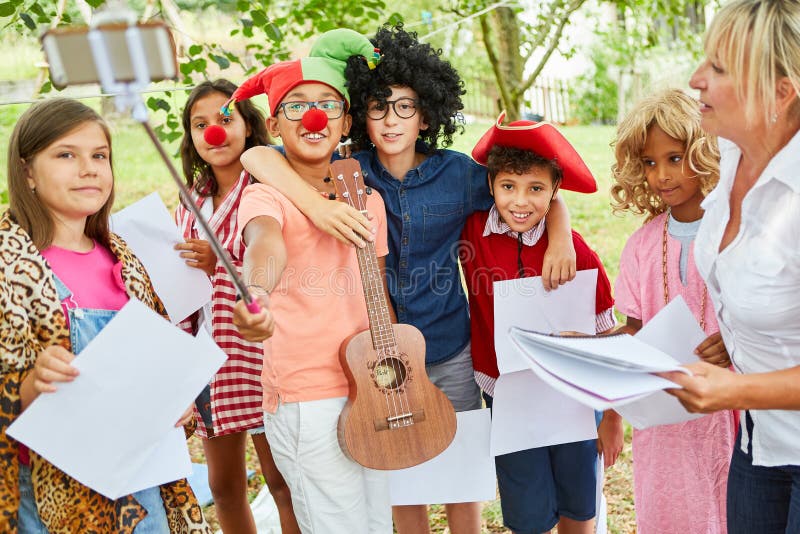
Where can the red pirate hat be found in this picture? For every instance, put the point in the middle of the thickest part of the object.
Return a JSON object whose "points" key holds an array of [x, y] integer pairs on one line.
{"points": [[541, 138]]}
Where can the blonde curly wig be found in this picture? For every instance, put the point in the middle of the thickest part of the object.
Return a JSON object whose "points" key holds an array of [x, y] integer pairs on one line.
{"points": [[678, 116]]}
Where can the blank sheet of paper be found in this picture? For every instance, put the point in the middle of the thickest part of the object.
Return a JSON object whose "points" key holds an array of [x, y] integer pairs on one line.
{"points": [[112, 428]]}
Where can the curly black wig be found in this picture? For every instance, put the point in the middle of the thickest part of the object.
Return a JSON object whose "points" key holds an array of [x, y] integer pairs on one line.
{"points": [[407, 63]]}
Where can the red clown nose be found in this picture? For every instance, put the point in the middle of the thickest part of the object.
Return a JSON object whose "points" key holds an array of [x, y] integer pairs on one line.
{"points": [[314, 120], [215, 135]]}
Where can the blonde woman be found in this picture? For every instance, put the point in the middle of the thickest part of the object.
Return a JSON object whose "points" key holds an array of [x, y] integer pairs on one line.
{"points": [[748, 250]]}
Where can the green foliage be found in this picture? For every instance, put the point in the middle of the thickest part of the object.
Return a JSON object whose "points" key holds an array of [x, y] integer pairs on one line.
{"points": [[593, 96], [271, 30], [649, 40]]}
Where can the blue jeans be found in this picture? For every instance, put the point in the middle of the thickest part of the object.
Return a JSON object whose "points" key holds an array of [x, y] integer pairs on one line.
{"points": [[763, 500], [84, 325]]}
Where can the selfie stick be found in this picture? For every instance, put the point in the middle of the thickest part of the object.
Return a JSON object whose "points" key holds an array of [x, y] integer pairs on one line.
{"points": [[129, 97]]}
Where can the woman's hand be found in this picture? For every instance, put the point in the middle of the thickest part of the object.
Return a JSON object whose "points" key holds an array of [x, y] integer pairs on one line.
{"points": [[712, 350], [559, 264], [610, 437], [198, 254], [343, 222], [254, 326], [709, 389]]}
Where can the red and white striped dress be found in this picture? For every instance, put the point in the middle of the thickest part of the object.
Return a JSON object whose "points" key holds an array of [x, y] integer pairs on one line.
{"points": [[235, 391]]}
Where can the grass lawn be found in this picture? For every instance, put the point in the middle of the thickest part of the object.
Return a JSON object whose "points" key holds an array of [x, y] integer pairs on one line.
{"points": [[139, 172]]}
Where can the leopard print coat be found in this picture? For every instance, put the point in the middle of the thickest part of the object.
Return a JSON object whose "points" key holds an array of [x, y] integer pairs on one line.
{"points": [[30, 320]]}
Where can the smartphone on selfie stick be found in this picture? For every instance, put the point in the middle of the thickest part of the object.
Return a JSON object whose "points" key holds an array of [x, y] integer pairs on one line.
{"points": [[124, 56]]}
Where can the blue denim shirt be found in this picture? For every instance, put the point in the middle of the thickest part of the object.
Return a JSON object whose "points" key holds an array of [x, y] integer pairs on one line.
{"points": [[425, 214]]}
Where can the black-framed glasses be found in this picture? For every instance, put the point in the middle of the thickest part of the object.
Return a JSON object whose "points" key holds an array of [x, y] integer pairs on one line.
{"points": [[294, 111], [405, 108]]}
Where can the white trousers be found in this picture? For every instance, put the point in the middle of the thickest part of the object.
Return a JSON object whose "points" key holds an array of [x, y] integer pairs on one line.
{"points": [[331, 494]]}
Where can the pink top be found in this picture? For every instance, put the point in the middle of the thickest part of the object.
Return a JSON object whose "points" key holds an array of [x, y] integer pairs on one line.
{"points": [[94, 277], [317, 304], [95, 280], [681, 467]]}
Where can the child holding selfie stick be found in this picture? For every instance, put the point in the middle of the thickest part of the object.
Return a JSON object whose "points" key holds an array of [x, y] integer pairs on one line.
{"points": [[230, 406], [403, 111], [665, 165], [315, 293], [64, 276]]}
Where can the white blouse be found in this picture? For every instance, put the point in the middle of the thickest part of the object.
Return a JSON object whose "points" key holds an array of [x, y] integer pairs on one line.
{"points": [[755, 286]]}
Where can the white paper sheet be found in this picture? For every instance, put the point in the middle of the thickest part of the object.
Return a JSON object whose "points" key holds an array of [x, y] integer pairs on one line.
{"points": [[112, 428], [661, 408], [464, 472], [576, 394], [151, 233], [601, 372], [524, 303], [601, 517], [527, 412], [620, 352]]}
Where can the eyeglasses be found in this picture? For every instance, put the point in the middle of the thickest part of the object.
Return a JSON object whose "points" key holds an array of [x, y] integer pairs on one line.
{"points": [[405, 108], [294, 111]]}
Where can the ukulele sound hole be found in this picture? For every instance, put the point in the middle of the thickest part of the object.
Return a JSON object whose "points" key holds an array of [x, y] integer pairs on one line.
{"points": [[389, 373]]}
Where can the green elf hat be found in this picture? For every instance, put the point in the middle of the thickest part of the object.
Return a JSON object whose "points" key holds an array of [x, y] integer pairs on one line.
{"points": [[325, 64]]}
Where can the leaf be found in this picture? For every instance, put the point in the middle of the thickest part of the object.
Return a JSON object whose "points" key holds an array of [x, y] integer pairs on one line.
{"points": [[273, 32], [158, 103], [95, 3], [28, 21], [195, 49], [395, 18], [259, 17], [242, 5], [172, 136], [221, 61], [7, 9], [46, 87]]}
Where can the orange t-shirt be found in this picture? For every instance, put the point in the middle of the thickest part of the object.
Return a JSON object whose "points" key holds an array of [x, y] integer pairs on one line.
{"points": [[317, 304]]}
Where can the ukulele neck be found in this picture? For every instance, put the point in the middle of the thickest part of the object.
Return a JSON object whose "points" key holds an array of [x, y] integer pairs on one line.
{"points": [[380, 322]]}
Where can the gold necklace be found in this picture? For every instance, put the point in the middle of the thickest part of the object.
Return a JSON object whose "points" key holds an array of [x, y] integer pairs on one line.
{"points": [[664, 272]]}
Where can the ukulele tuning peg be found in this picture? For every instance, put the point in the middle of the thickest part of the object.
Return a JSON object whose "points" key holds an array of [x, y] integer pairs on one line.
{"points": [[360, 192], [340, 177], [369, 190], [331, 196], [346, 194], [327, 179]]}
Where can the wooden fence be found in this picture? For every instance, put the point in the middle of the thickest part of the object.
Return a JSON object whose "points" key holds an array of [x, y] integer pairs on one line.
{"points": [[547, 99]]}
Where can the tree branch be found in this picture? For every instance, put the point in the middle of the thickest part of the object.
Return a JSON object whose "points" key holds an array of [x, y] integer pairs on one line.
{"points": [[552, 46], [492, 55]]}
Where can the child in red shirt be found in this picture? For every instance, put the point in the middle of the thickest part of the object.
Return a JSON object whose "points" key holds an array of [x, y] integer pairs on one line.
{"points": [[527, 163]]}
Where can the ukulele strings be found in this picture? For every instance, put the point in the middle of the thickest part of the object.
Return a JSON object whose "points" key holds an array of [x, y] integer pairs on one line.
{"points": [[391, 407], [397, 392]]}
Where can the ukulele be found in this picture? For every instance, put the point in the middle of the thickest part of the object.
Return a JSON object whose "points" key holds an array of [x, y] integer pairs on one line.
{"points": [[394, 416]]}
